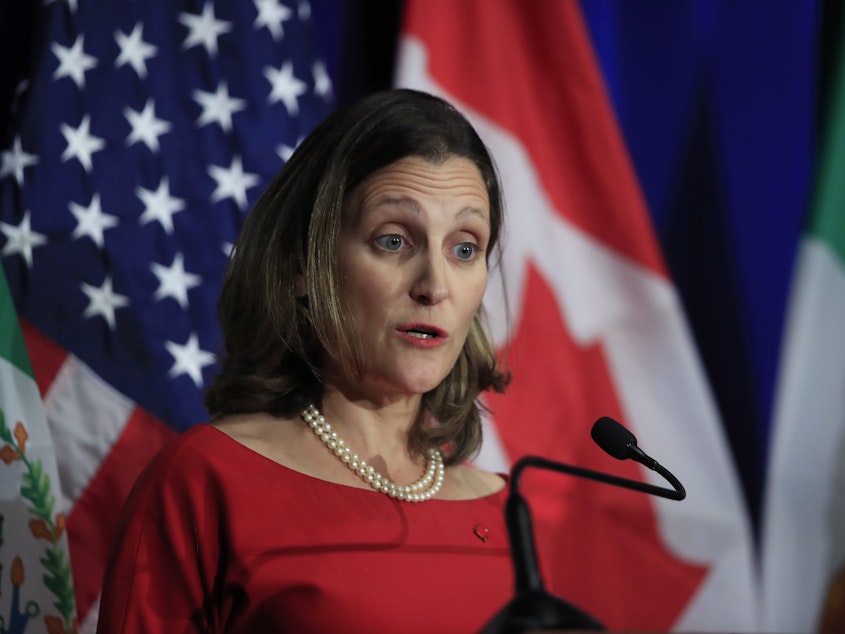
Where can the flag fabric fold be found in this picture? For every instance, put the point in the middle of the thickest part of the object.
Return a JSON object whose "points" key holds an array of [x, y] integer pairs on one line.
{"points": [[139, 140], [803, 531], [596, 326]]}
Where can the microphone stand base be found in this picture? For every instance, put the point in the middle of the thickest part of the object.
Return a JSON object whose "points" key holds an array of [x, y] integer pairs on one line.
{"points": [[539, 611]]}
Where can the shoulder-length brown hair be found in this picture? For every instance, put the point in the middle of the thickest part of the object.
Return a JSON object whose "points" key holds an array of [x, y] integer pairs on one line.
{"points": [[275, 340]]}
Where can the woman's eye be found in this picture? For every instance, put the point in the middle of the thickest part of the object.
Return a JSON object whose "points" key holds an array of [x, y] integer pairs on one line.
{"points": [[391, 242], [466, 251]]}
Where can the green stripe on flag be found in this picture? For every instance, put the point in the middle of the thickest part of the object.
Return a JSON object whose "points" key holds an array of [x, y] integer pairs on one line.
{"points": [[12, 347], [827, 220]]}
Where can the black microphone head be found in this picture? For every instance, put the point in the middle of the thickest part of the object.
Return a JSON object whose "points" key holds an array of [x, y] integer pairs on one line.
{"points": [[613, 438]]}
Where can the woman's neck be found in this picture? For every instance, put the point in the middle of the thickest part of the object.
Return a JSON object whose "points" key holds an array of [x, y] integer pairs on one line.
{"points": [[376, 431]]}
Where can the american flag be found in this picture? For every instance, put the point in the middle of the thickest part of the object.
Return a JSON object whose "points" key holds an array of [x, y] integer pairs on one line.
{"points": [[139, 140]]}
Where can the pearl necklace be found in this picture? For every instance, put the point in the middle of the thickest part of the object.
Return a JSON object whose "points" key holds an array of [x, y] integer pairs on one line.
{"points": [[420, 491]]}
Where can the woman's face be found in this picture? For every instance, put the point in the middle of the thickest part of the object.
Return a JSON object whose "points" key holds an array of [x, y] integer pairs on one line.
{"points": [[413, 270]]}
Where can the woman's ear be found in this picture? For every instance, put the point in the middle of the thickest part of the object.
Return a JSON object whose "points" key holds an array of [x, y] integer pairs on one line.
{"points": [[300, 286]]}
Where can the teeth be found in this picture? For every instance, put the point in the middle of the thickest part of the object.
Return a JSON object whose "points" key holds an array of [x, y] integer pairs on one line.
{"points": [[419, 334]]}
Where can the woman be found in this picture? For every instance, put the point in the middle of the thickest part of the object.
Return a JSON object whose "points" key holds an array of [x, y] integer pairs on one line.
{"points": [[329, 493]]}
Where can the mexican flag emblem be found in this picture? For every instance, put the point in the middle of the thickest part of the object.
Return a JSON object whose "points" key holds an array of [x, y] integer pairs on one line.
{"points": [[36, 586]]}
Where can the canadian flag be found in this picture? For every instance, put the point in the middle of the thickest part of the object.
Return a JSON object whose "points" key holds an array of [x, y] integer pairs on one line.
{"points": [[590, 324]]}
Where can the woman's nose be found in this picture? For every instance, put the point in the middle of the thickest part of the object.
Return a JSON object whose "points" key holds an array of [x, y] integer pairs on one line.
{"points": [[430, 286]]}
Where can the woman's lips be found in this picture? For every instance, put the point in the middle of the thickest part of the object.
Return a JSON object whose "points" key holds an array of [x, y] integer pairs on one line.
{"points": [[422, 335]]}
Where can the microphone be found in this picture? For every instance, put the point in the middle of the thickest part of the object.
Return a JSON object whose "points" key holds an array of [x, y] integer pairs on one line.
{"points": [[622, 444], [533, 608]]}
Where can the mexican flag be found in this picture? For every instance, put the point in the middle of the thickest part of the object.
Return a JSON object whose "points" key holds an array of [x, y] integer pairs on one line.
{"points": [[36, 587], [594, 327], [804, 507]]}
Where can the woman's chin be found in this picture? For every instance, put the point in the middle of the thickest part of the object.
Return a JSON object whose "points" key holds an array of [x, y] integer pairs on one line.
{"points": [[417, 385]]}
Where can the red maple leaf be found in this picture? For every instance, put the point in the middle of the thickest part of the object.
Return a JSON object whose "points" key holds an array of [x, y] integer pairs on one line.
{"points": [[600, 545]]}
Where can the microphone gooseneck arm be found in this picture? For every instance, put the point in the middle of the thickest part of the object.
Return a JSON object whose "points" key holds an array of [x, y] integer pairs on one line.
{"points": [[533, 607], [677, 492], [518, 515]]}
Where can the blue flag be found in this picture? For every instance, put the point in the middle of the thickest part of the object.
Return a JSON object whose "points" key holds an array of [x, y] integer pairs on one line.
{"points": [[139, 141]]}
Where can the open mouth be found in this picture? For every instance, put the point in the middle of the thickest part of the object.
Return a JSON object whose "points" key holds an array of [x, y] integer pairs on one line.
{"points": [[421, 333]]}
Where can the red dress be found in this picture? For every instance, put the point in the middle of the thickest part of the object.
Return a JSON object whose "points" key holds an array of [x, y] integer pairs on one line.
{"points": [[217, 538]]}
